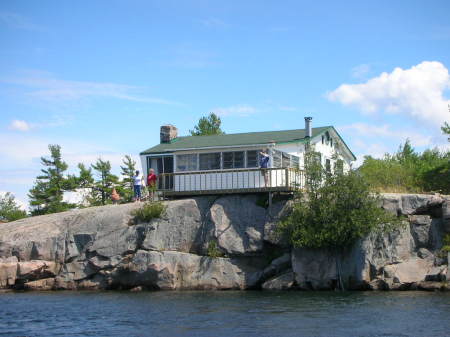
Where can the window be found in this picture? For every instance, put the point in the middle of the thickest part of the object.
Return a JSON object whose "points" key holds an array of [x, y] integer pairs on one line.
{"points": [[209, 161], [252, 158], [340, 166], [233, 160], [328, 165], [187, 162], [295, 161]]}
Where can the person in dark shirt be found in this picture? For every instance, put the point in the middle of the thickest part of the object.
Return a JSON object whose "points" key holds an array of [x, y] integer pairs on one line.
{"points": [[264, 165]]}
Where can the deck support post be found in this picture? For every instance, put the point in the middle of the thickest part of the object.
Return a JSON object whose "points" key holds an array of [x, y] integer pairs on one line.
{"points": [[270, 203]]}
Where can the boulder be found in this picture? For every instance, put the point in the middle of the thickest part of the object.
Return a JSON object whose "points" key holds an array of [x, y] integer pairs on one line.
{"points": [[42, 284], [117, 242], [314, 269], [238, 224], [437, 274], [419, 203], [8, 271], [392, 203], [176, 270], [410, 271], [182, 228], [277, 266], [420, 230], [446, 214], [280, 282], [275, 214], [36, 269]]}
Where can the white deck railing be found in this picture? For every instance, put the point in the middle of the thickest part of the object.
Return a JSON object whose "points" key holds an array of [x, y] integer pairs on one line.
{"points": [[231, 181]]}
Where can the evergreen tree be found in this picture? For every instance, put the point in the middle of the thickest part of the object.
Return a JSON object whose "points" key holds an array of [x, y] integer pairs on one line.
{"points": [[9, 209], [446, 130], [46, 196], [105, 183], [128, 171], [208, 126]]}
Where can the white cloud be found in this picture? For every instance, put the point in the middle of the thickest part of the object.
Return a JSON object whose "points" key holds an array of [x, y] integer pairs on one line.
{"points": [[417, 92], [46, 87], [360, 71], [19, 125], [241, 110], [386, 131]]}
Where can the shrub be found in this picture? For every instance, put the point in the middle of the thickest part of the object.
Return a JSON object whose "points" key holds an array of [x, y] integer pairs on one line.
{"points": [[446, 242], [334, 211], [213, 250], [150, 211]]}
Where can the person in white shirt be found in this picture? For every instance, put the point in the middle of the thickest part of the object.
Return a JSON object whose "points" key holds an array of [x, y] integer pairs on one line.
{"points": [[138, 181]]}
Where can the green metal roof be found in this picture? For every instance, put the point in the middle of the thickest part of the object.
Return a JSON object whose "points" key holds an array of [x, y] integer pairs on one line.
{"points": [[236, 139]]}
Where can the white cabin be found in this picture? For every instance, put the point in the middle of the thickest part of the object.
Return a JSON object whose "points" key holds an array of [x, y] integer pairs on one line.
{"points": [[229, 163]]}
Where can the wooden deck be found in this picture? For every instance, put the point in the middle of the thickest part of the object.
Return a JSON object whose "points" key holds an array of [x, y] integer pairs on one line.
{"points": [[253, 180]]}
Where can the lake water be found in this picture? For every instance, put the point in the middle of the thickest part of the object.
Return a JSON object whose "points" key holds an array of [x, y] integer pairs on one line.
{"points": [[226, 313]]}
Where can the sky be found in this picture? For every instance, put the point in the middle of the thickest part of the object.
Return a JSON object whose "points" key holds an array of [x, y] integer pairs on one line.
{"points": [[99, 78]]}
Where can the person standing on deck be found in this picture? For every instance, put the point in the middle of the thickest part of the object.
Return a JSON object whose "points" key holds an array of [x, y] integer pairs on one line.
{"points": [[151, 182], [264, 165], [138, 181]]}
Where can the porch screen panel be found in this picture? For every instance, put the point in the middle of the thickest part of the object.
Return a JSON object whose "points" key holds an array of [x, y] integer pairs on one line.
{"points": [[187, 162], [209, 161], [252, 158], [228, 160], [238, 159], [286, 160], [295, 161]]}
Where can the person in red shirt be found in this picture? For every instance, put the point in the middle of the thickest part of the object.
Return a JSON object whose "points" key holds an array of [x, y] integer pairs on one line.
{"points": [[151, 182]]}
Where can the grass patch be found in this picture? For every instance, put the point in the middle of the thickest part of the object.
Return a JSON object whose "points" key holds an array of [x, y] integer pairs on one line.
{"points": [[150, 211], [213, 250], [446, 242]]}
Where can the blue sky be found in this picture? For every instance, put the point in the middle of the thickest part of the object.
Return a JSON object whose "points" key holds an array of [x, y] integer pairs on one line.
{"points": [[100, 77]]}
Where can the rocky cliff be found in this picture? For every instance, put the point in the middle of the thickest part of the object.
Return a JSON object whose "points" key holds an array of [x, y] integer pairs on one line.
{"points": [[104, 248]]}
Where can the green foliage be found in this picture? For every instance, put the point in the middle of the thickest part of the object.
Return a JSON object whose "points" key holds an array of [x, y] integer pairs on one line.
{"points": [[9, 209], [208, 126], [213, 250], [334, 210], [104, 184], [149, 211], [408, 171], [46, 196], [446, 129], [446, 242], [128, 171]]}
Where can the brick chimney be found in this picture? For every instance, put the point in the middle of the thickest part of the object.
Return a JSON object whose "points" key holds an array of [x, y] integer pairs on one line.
{"points": [[168, 132]]}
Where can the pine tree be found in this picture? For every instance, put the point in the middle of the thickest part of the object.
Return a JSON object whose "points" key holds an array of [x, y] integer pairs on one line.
{"points": [[208, 126], [106, 182], [128, 171], [9, 209], [46, 196]]}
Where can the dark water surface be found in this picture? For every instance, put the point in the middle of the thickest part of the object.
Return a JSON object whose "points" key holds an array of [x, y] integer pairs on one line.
{"points": [[249, 313]]}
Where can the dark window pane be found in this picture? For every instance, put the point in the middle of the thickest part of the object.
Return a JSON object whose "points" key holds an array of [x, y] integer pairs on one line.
{"points": [[238, 159], [209, 161], [228, 160], [252, 158]]}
